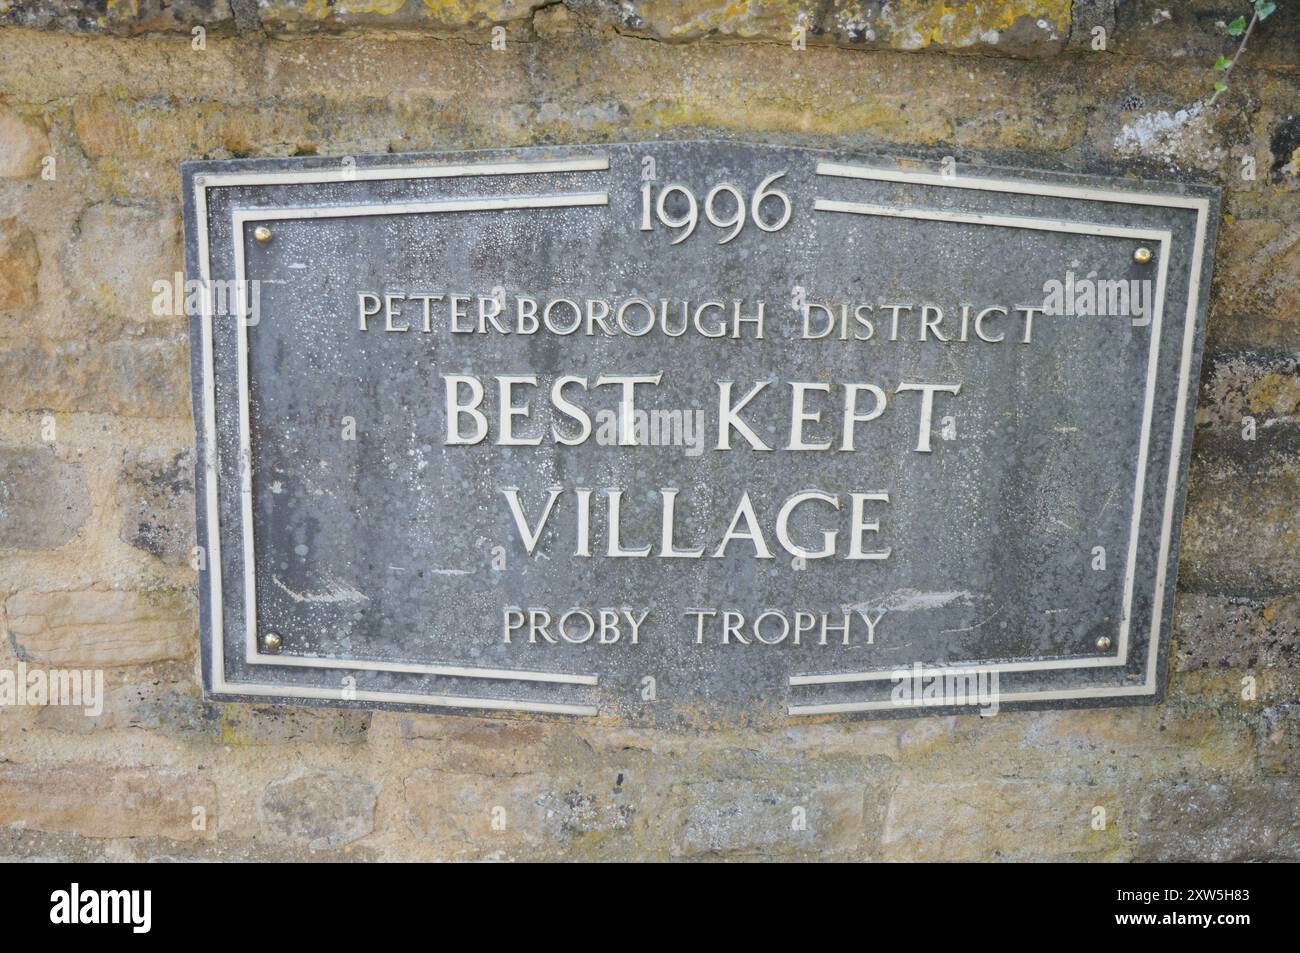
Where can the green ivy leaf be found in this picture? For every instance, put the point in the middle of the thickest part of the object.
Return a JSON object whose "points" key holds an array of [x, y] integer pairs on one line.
{"points": [[1220, 87], [1237, 27], [1222, 63], [1263, 8]]}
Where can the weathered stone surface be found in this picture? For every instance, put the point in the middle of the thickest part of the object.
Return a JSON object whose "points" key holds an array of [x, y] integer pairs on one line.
{"points": [[1194, 30], [551, 815], [1258, 260], [1218, 821], [19, 263], [1152, 29], [148, 378], [1284, 149], [410, 100], [466, 816], [154, 705], [324, 810], [1214, 631], [754, 818], [100, 800], [26, 58], [1242, 694], [1239, 541], [118, 286], [94, 628], [109, 127], [1086, 746], [741, 817], [1183, 136], [290, 15], [254, 725], [1260, 385], [156, 494], [1153, 742], [1248, 412], [478, 747], [138, 16], [1033, 28], [43, 499], [1279, 740], [1086, 17], [23, 144], [177, 709], [999, 820], [554, 20]]}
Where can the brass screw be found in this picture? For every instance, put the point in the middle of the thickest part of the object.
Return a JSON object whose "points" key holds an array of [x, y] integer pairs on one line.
{"points": [[1143, 255], [1103, 643], [271, 644], [263, 234]]}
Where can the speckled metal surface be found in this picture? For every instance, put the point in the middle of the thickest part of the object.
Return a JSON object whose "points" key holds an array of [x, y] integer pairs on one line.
{"points": [[377, 543]]}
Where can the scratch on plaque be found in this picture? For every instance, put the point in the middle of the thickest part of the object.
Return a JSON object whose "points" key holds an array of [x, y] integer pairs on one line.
{"points": [[333, 593], [971, 628], [452, 572], [1110, 501], [906, 600]]}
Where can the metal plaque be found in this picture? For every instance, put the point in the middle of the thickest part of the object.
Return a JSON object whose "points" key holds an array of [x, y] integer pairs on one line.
{"points": [[689, 433]]}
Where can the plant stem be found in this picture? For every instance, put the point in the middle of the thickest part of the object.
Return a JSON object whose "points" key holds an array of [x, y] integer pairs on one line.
{"points": [[1241, 48]]}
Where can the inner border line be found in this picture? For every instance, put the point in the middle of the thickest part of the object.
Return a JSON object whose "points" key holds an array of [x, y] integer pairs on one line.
{"points": [[239, 218], [1165, 239]]}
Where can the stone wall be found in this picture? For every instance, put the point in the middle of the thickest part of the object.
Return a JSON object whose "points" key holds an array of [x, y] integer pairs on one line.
{"points": [[100, 101]]}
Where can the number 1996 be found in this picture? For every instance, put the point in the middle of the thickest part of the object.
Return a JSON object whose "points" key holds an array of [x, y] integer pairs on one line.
{"points": [[730, 216]]}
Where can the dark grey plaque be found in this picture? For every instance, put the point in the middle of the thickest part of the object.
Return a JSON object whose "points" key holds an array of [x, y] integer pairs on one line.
{"points": [[996, 525]]}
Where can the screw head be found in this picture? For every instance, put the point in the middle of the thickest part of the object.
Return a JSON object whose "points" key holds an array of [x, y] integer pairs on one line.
{"points": [[1143, 255], [262, 234], [1103, 643], [271, 643]]}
